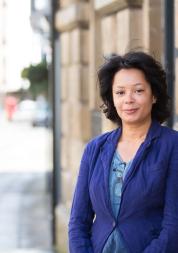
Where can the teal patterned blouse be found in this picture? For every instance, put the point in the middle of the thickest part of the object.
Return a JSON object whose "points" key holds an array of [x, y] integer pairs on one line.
{"points": [[118, 171]]}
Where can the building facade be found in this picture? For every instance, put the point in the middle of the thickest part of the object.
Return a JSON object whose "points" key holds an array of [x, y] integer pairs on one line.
{"points": [[15, 44], [40, 23], [3, 40], [89, 30]]}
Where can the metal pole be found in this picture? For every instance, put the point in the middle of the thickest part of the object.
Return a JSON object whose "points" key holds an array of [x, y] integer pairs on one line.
{"points": [[169, 54], [56, 116]]}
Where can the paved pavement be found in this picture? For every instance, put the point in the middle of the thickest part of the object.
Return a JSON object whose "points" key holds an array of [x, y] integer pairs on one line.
{"points": [[25, 211], [24, 148], [25, 198]]}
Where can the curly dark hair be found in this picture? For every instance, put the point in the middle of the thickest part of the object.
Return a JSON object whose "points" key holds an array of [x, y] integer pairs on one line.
{"points": [[154, 74]]}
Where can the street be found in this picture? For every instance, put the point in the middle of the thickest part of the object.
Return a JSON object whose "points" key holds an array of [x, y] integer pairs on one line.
{"points": [[25, 197], [24, 148]]}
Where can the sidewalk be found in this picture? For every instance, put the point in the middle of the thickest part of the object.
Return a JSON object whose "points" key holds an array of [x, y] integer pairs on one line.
{"points": [[25, 213], [25, 197]]}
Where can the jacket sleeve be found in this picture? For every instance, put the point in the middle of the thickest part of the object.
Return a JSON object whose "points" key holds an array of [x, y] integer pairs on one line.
{"points": [[167, 242], [81, 217]]}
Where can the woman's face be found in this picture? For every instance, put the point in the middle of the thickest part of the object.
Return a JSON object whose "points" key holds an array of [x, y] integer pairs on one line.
{"points": [[132, 96]]}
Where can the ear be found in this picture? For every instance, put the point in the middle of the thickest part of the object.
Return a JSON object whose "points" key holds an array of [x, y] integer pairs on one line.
{"points": [[154, 100]]}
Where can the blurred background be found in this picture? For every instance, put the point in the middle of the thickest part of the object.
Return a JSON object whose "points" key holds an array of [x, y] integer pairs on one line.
{"points": [[50, 51], [26, 129]]}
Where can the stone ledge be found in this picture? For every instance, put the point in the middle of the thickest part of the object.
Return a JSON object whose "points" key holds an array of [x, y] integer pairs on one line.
{"points": [[109, 6], [75, 15], [62, 218]]}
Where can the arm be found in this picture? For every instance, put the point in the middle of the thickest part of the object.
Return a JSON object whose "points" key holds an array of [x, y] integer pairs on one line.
{"points": [[167, 242], [81, 218]]}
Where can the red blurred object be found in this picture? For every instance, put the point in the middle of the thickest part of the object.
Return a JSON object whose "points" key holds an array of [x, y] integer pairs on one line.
{"points": [[10, 106]]}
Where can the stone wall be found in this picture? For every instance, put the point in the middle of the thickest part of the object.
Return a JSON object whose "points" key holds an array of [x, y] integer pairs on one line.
{"points": [[72, 21], [88, 31]]}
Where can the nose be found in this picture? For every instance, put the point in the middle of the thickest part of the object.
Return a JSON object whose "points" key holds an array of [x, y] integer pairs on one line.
{"points": [[129, 98]]}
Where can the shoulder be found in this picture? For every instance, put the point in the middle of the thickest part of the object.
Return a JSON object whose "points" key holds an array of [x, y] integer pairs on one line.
{"points": [[98, 141], [169, 137], [169, 133], [102, 138], [93, 147]]}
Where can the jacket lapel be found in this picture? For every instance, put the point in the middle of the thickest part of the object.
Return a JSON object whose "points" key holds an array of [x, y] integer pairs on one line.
{"points": [[141, 153], [153, 133], [106, 155]]}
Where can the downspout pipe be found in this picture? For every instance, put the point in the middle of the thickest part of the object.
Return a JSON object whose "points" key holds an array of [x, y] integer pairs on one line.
{"points": [[55, 80], [169, 56]]}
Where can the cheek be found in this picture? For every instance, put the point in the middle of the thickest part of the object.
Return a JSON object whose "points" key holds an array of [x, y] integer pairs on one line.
{"points": [[117, 101], [150, 102], [145, 101], [117, 104], [147, 106], [114, 101]]}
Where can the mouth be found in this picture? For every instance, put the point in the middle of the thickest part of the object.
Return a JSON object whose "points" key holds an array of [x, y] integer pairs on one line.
{"points": [[131, 111]]}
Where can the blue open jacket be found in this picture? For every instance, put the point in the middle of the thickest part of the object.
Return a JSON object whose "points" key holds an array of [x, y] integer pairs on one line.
{"points": [[148, 216]]}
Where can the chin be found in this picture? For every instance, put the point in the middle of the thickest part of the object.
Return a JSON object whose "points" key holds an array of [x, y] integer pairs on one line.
{"points": [[136, 120]]}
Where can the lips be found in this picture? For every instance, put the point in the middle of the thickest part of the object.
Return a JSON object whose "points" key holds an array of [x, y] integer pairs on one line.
{"points": [[130, 111]]}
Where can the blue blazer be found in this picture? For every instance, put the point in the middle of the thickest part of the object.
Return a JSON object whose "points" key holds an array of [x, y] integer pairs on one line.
{"points": [[148, 216]]}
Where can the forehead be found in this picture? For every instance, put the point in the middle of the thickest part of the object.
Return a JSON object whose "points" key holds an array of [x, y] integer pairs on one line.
{"points": [[129, 77]]}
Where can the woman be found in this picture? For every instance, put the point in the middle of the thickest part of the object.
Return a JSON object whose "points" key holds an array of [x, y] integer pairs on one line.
{"points": [[126, 197]]}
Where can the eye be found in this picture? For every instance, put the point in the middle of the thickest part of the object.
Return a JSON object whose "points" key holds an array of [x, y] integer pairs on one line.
{"points": [[139, 91], [120, 93]]}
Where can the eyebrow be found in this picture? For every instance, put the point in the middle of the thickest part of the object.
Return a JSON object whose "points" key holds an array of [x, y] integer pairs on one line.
{"points": [[136, 84]]}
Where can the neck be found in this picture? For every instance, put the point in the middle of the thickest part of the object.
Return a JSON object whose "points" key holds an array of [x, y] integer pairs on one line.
{"points": [[135, 132]]}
